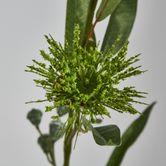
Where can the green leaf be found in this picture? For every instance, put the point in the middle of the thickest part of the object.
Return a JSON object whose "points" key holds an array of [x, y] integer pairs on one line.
{"points": [[106, 8], [129, 137], [106, 135], [79, 12], [46, 143], [62, 110], [56, 130], [34, 116], [120, 25]]}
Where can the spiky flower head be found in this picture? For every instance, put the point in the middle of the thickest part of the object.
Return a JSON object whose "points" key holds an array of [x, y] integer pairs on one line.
{"points": [[86, 80]]}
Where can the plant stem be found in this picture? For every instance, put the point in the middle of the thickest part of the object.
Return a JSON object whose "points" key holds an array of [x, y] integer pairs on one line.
{"points": [[53, 156], [39, 131], [68, 141], [67, 149], [90, 34]]}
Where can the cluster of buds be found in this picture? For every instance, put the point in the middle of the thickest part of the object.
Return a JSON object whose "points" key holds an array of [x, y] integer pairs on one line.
{"points": [[85, 80]]}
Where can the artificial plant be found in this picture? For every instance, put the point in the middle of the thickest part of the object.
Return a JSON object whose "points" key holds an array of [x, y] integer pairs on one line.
{"points": [[81, 80]]}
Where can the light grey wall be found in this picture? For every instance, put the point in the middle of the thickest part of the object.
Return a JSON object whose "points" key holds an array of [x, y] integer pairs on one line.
{"points": [[22, 25]]}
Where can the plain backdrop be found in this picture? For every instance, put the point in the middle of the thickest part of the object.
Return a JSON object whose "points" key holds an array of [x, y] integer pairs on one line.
{"points": [[22, 26]]}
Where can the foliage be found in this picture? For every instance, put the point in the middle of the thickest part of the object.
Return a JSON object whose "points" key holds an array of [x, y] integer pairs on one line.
{"points": [[107, 135], [130, 136], [35, 116], [120, 24], [81, 80]]}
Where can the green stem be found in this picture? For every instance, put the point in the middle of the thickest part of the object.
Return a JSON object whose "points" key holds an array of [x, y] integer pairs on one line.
{"points": [[68, 141], [52, 154], [67, 149], [39, 131]]}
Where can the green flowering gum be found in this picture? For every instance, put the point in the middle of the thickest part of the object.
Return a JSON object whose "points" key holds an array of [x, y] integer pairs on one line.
{"points": [[85, 80]]}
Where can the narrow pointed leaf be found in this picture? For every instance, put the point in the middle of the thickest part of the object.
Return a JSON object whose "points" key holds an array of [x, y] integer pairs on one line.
{"points": [[79, 12], [106, 8], [106, 135], [129, 137], [120, 25]]}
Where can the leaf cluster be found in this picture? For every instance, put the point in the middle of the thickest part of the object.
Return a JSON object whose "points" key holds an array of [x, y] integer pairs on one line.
{"points": [[82, 80]]}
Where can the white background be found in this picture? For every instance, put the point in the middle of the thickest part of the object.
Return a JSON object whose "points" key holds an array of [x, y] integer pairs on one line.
{"points": [[22, 26]]}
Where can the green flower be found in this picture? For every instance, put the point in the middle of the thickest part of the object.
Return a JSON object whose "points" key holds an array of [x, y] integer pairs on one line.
{"points": [[86, 80]]}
